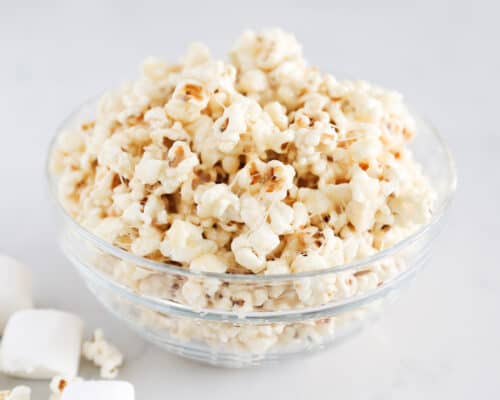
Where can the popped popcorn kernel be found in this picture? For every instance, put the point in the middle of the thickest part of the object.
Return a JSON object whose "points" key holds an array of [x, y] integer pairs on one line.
{"points": [[184, 241], [104, 354], [58, 384]]}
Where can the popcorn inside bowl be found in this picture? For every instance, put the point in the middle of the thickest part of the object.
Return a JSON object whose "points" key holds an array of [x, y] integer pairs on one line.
{"points": [[261, 165], [259, 161]]}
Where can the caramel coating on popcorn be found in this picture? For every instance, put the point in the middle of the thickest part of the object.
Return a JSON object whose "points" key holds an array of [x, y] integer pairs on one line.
{"points": [[261, 165]]}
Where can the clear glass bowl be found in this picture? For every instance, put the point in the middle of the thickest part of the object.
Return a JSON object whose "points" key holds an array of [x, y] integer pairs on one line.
{"points": [[303, 312]]}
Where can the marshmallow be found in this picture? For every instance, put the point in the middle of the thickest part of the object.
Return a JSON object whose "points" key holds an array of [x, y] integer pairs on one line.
{"points": [[15, 288], [99, 390], [18, 393], [39, 344]]}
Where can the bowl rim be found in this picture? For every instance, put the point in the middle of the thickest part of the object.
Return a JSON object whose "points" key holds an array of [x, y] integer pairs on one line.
{"points": [[438, 214]]}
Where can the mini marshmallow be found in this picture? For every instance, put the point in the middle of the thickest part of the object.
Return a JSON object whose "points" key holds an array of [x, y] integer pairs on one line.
{"points": [[99, 390], [15, 288], [39, 344]]}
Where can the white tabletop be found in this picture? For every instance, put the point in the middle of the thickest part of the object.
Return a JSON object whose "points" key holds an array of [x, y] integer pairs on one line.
{"points": [[440, 341]]}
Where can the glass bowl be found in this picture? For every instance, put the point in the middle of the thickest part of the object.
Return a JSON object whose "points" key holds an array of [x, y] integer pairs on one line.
{"points": [[253, 319]]}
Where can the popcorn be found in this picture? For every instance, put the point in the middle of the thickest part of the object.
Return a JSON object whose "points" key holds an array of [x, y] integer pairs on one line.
{"points": [[103, 354], [132, 214], [148, 171], [110, 228], [58, 384], [263, 240], [148, 241], [154, 211], [246, 256], [184, 242], [270, 181], [251, 248], [363, 188], [332, 248], [229, 127], [208, 263], [361, 216], [113, 157], [252, 80], [281, 218], [265, 50], [189, 99], [197, 54], [278, 180], [278, 114], [98, 390], [194, 294], [38, 344], [366, 149], [300, 215], [252, 211], [316, 201], [277, 267], [260, 165], [15, 288], [216, 201], [181, 162], [308, 262]]}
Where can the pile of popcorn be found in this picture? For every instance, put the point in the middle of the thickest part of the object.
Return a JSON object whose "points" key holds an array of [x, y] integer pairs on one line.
{"points": [[262, 165]]}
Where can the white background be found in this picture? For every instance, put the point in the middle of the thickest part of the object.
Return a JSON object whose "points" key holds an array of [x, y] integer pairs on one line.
{"points": [[441, 341]]}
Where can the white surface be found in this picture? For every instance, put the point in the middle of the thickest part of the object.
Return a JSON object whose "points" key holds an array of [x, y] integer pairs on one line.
{"points": [[441, 340], [41, 344], [16, 288]]}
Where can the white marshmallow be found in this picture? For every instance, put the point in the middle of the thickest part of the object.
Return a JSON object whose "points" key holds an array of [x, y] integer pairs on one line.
{"points": [[18, 393], [15, 288], [99, 390], [39, 344]]}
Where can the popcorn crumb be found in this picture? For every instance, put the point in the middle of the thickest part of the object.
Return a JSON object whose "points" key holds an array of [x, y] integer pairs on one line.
{"points": [[58, 384], [104, 355]]}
